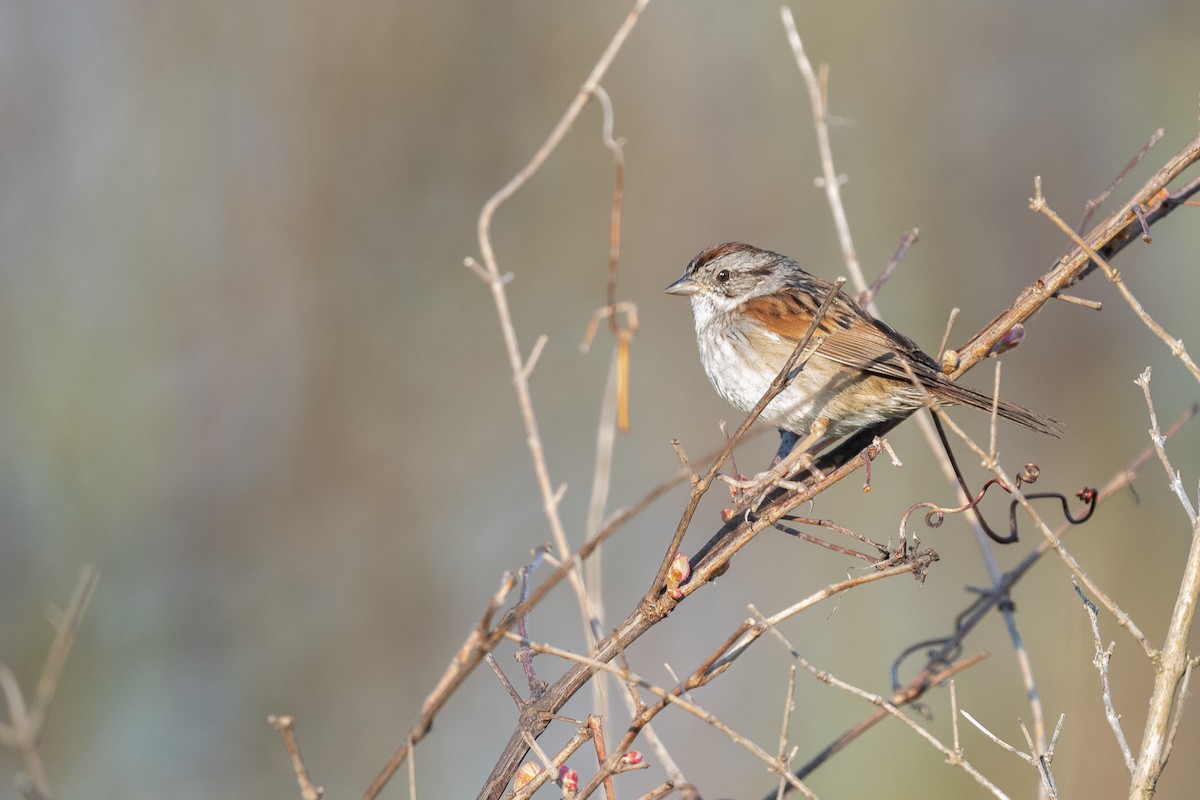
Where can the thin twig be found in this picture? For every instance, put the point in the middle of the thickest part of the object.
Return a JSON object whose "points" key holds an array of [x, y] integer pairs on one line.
{"points": [[597, 730], [496, 283], [667, 697], [481, 640], [491, 271], [830, 181], [1175, 481], [907, 240], [1099, 199], [1039, 763], [1094, 305], [476, 647], [1101, 659], [504, 681], [789, 703], [950, 320], [819, 101], [623, 334], [67, 625], [921, 562], [26, 723], [1172, 663], [1119, 482], [1039, 204], [660, 791], [1108, 238], [954, 719], [890, 707], [1177, 714], [1051, 540], [583, 733], [537, 686], [286, 726], [819, 542], [998, 593], [412, 773], [710, 563], [614, 238]]}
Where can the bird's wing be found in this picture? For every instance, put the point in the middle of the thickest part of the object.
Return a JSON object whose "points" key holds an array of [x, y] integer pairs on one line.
{"points": [[872, 346]]}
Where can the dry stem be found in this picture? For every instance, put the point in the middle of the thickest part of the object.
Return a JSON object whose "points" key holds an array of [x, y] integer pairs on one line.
{"points": [[27, 722], [286, 726], [714, 557]]}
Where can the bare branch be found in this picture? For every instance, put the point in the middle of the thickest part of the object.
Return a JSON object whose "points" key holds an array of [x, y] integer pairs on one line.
{"points": [[789, 703], [1038, 203], [26, 722], [907, 240], [1174, 479], [286, 726], [673, 697], [1099, 199], [829, 178], [1106, 239], [1040, 763], [1101, 659], [477, 645]]}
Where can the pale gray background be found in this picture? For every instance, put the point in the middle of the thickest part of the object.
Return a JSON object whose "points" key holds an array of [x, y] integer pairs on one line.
{"points": [[246, 374]]}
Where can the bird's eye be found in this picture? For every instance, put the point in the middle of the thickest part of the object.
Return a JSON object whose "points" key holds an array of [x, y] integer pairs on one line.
{"points": [[723, 276]]}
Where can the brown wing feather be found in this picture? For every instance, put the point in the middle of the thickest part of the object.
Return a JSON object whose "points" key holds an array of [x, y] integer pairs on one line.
{"points": [[873, 347]]}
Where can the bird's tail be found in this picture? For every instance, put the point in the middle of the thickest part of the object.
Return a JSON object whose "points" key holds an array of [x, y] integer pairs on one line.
{"points": [[1010, 411]]}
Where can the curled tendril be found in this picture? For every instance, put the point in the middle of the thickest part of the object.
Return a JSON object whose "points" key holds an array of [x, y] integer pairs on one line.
{"points": [[1028, 475], [947, 649]]}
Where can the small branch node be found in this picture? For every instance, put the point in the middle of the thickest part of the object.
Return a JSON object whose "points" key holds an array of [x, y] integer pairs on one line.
{"points": [[477, 268], [286, 725], [1095, 305], [534, 355]]}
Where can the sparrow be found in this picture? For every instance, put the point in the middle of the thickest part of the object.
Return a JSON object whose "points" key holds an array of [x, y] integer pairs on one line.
{"points": [[752, 307]]}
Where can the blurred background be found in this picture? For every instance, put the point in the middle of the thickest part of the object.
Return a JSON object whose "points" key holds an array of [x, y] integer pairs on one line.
{"points": [[246, 374]]}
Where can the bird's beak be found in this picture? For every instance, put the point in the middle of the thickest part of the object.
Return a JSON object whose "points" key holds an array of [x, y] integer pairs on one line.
{"points": [[684, 286]]}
